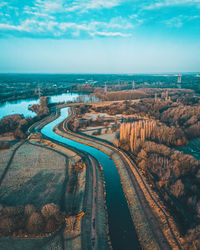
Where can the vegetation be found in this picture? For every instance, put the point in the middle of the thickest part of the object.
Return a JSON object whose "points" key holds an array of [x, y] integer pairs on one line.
{"points": [[18, 124], [174, 174], [20, 221], [150, 130], [41, 109], [122, 95], [134, 134]]}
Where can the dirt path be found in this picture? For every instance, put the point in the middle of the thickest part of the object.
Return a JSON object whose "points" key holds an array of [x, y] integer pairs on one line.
{"points": [[93, 224]]}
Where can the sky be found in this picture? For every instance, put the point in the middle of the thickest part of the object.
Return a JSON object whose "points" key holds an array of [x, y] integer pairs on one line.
{"points": [[99, 36]]}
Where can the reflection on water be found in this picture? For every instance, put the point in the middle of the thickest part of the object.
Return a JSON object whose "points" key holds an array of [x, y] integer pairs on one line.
{"points": [[18, 107], [21, 106], [66, 97]]}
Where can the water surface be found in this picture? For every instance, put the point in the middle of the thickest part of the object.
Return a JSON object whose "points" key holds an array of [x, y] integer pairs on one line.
{"points": [[21, 106]]}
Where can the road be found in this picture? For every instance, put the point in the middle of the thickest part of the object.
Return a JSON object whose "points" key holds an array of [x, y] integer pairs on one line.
{"points": [[94, 197]]}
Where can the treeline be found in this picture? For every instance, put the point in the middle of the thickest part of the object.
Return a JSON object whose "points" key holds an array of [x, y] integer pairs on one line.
{"points": [[134, 134], [29, 220], [174, 174], [186, 117], [18, 124], [121, 95], [178, 115]]}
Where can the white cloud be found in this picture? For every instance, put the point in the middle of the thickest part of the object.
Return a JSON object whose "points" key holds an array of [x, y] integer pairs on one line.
{"points": [[96, 28], [120, 23], [84, 6], [38, 14], [56, 6], [5, 26], [65, 28], [25, 26], [96, 4], [49, 6], [109, 34], [176, 22], [180, 20], [75, 26], [166, 3]]}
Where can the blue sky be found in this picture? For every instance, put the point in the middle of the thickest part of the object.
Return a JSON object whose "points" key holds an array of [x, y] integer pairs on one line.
{"points": [[99, 36]]}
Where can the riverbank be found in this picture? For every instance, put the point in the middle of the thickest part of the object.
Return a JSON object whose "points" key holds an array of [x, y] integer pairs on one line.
{"points": [[78, 195], [142, 223], [92, 191]]}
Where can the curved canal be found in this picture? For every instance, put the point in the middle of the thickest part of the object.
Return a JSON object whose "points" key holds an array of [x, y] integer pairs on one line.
{"points": [[122, 231]]}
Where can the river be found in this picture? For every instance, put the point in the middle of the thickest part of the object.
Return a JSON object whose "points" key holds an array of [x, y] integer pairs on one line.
{"points": [[122, 231], [21, 106]]}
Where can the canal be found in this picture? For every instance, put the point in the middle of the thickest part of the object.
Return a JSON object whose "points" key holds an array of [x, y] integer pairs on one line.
{"points": [[122, 231]]}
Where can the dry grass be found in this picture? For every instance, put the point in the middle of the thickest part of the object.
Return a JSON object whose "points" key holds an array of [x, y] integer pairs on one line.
{"points": [[33, 177], [5, 156]]}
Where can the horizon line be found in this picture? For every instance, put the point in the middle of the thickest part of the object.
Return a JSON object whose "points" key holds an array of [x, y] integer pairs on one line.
{"points": [[48, 73]]}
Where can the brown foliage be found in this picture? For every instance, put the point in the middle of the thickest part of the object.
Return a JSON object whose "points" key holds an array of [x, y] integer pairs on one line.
{"points": [[79, 166], [133, 135], [26, 220], [7, 226], [192, 239], [177, 189], [29, 210], [124, 95], [49, 210], [51, 225], [10, 123], [41, 109], [35, 223], [187, 117]]}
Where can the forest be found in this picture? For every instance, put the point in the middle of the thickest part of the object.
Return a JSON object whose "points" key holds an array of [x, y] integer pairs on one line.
{"points": [[151, 130]]}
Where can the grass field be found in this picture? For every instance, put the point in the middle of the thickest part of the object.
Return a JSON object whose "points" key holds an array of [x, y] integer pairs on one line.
{"points": [[35, 177]]}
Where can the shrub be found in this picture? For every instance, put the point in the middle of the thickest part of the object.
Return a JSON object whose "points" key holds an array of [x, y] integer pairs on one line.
{"points": [[178, 188], [192, 239], [6, 225], [1, 209], [51, 225], [29, 210], [13, 211], [50, 210], [35, 223]]}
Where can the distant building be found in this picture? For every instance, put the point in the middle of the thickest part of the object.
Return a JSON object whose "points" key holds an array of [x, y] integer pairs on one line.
{"points": [[179, 79], [133, 85], [166, 95], [156, 97], [105, 88]]}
